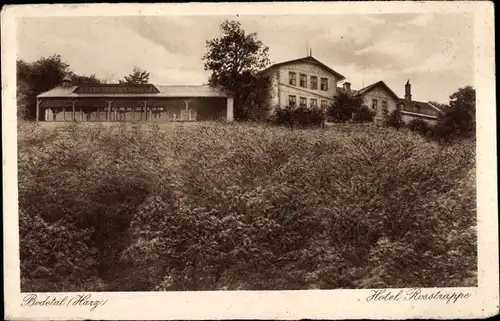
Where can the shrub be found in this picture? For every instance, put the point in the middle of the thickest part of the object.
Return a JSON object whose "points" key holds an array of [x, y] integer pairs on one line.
{"points": [[364, 114], [345, 106], [299, 116], [455, 124], [243, 207], [420, 126], [395, 119]]}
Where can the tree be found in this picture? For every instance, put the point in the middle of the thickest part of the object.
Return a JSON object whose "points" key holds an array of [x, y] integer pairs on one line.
{"points": [[348, 107], [395, 119], [459, 120], [234, 60], [35, 78], [85, 80], [137, 77]]}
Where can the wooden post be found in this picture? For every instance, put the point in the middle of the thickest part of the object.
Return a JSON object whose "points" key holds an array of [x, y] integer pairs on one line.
{"points": [[37, 109], [114, 109], [229, 109], [186, 115], [108, 111], [145, 106], [64, 113], [73, 111], [81, 113]]}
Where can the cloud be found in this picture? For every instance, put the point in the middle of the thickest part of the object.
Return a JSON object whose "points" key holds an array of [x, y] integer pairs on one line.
{"points": [[400, 49], [364, 48], [422, 19], [442, 60], [110, 51]]}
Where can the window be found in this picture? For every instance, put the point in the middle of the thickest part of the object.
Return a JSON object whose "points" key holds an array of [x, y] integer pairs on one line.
{"points": [[384, 107], [314, 103], [156, 112], [303, 80], [314, 82], [324, 84], [292, 78], [374, 104], [303, 101], [324, 104], [292, 100]]}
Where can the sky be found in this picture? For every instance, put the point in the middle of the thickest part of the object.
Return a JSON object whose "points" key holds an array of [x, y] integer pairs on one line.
{"points": [[434, 51]]}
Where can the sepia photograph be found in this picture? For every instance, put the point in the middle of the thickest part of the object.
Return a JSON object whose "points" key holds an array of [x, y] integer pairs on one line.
{"points": [[243, 151]]}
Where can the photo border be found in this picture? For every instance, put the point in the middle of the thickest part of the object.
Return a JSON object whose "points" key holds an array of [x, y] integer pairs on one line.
{"points": [[290, 305]]}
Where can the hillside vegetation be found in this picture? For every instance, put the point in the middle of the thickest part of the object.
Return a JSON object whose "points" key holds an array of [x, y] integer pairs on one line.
{"points": [[229, 206]]}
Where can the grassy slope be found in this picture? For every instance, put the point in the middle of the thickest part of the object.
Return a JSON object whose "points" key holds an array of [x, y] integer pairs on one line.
{"points": [[213, 206]]}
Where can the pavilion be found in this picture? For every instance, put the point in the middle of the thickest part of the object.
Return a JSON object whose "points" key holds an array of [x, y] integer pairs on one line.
{"points": [[130, 102]]}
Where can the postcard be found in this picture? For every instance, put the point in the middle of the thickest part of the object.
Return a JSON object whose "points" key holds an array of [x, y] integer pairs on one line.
{"points": [[280, 160]]}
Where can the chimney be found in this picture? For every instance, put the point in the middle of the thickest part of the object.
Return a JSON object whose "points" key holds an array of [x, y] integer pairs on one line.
{"points": [[408, 90], [347, 87]]}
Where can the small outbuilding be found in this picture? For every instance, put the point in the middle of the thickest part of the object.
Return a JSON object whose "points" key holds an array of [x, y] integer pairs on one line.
{"points": [[131, 102]]}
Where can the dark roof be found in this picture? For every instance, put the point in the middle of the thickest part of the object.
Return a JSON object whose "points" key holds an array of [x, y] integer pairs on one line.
{"points": [[341, 89], [308, 59], [162, 91], [366, 89], [425, 108]]}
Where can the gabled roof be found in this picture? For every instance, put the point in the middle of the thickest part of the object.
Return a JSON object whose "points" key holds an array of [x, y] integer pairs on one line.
{"points": [[369, 88], [425, 108], [163, 91], [309, 60]]}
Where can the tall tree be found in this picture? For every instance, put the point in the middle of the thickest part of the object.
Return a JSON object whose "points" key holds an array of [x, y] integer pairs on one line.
{"points": [[464, 98], [234, 60], [137, 77], [460, 119], [344, 107], [35, 78]]}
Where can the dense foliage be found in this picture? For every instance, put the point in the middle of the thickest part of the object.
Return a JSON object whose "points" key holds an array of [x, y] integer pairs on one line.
{"points": [[394, 119], [205, 207], [298, 116], [234, 60], [35, 78], [420, 126], [348, 107], [459, 120]]}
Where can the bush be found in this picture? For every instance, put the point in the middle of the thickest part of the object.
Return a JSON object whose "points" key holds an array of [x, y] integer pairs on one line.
{"points": [[420, 126], [242, 207], [346, 107], [299, 116], [454, 125], [395, 119], [364, 114]]}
